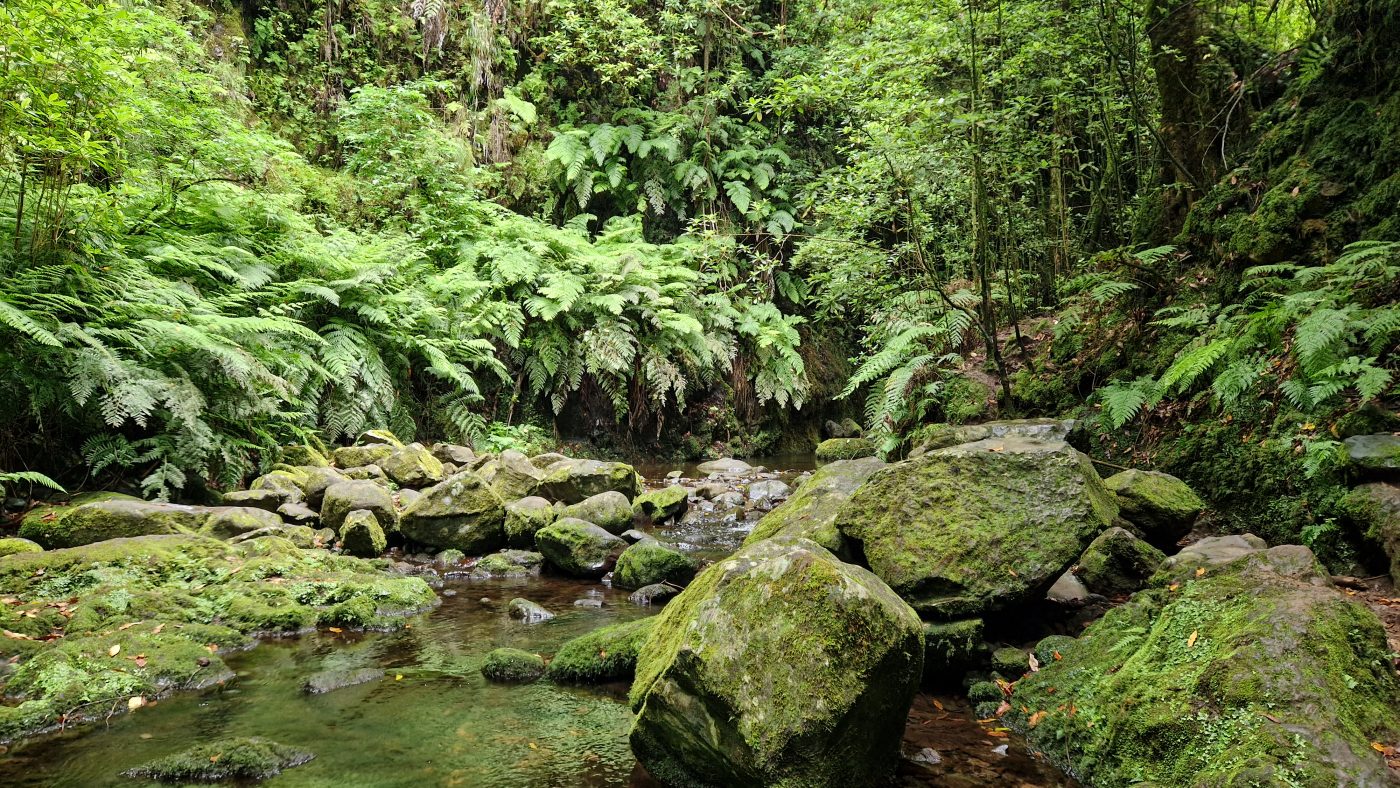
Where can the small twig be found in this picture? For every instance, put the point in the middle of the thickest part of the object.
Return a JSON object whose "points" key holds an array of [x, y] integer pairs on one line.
{"points": [[1109, 465]]}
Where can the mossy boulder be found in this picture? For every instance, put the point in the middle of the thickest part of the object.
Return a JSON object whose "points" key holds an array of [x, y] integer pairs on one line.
{"points": [[378, 438], [972, 529], [301, 536], [811, 511], [650, 561], [1117, 562], [950, 648], [778, 666], [1375, 507], [462, 512], [508, 563], [579, 548], [43, 515], [224, 522], [1162, 506], [347, 457], [1377, 454], [318, 480], [453, 453], [942, 436], [12, 545], [575, 480], [845, 449], [608, 510], [362, 536], [1252, 672], [267, 500], [114, 519], [527, 611], [412, 466], [544, 461], [607, 654], [343, 498], [291, 486], [525, 517], [219, 761], [304, 456], [512, 666], [1011, 662], [179, 600], [661, 505]]}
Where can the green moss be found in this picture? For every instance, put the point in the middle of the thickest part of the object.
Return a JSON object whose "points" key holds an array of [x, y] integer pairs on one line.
{"points": [[1256, 672], [648, 562], [811, 511], [1010, 662], [579, 548], [949, 647], [524, 518], [509, 563], [360, 456], [985, 692], [227, 759], [511, 665], [361, 535], [303, 455], [1052, 648], [1117, 562], [12, 545], [1162, 505], [844, 449], [607, 654], [965, 400], [662, 504]]}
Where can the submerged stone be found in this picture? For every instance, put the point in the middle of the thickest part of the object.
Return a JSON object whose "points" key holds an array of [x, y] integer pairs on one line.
{"points": [[332, 680], [964, 531], [777, 666], [607, 654], [512, 666], [1253, 672], [227, 759], [527, 611], [811, 511]]}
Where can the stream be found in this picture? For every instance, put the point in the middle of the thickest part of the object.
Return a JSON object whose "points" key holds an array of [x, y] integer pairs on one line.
{"points": [[433, 720]]}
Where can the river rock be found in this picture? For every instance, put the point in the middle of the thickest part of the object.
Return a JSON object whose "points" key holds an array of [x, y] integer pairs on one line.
{"points": [[508, 563], [845, 428], [950, 648], [1162, 506], [711, 490], [451, 452], [574, 480], [579, 548], [608, 510], [113, 519], [1117, 562], [767, 490], [527, 611], [343, 498], [332, 680], [730, 499], [222, 522], [607, 654], [1375, 507], [299, 514], [548, 459], [525, 517], [1255, 672], [361, 535], [290, 486], [967, 530], [778, 666], [1068, 590], [648, 562], [318, 480], [811, 511], [1373, 453], [662, 505], [347, 457], [844, 449], [1215, 550], [462, 512], [725, 465], [267, 500], [412, 466], [302, 537], [371, 473], [942, 436], [241, 759], [512, 666], [13, 545], [656, 595], [511, 475]]}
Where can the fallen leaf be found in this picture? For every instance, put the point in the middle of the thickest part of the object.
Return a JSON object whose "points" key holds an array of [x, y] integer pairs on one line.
{"points": [[211, 647], [1191, 641], [1011, 572], [398, 677], [336, 630], [937, 705], [1057, 656], [534, 746], [114, 650], [158, 628], [125, 627], [1384, 749], [1035, 719], [214, 758], [135, 702], [1200, 571], [1034, 663], [999, 733], [141, 662], [1002, 709], [1173, 586]]}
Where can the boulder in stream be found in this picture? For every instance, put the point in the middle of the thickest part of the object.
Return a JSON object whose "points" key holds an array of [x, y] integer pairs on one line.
{"points": [[462, 512], [844, 449], [1255, 671], [811, 511], [362, 536], [971, 529], [527, 611], [579, 548], [606, 654], [648, 562], [609, 510], [525, 517], [777, 666], [572, 481], [661, 505], [1117, 562], [725, 466], [223, 760], [512, 666]]}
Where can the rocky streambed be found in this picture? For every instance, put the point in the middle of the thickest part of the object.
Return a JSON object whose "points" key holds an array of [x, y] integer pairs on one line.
{"points": [[854, 623]]}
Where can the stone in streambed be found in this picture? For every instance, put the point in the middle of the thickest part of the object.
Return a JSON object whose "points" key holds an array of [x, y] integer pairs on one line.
{"points": [[662, 505], [508, 563], [648, 562], [512, 666], [608, 510], [525, 517], [347, 457], [343, 498], [607, 654], [362, 536], [579, 548], [976, 528], [14, 544], [527, 611], [1255, 671], [412, 466], [811, 512], [844, 449], [778, 666], [227, 759], [1117, 562], [657, 595], [768, 490], [574, 480], [724, 465], [332, 680], [1162, 506], [462, 512], [269, 500]]}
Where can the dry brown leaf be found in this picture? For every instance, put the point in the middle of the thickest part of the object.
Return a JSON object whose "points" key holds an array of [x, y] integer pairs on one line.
{"points": [[336, 630], [1035, 719], [937, 705], [114, 650], [1200, 571], [158, 628], [1173, 586], [141, 661], [15, 635], [125, 627], [135, 702], [1034, 663], [1191, 641]]}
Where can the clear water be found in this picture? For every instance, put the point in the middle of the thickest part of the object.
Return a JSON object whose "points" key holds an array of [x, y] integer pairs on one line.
{"points": [[433, 721]]}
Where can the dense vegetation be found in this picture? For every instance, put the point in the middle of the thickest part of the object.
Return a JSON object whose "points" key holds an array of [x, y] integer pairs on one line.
{"points": [[697, 226]]}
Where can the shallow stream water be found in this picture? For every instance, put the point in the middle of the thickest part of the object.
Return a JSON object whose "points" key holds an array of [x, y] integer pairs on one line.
{"points": [[433, 721]]}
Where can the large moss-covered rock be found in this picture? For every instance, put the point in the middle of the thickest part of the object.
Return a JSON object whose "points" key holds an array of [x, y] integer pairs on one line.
{"points": [[608, 510], [508, 563], [361, 456], [845, 449], [778, 666], [579, 548], [525, 517], [512, 666], [412, 466], [43, 515], [180, 601], [1376, 508], [607, 654], [811, 511], [1252, 672], [942, 436], [648, 562], [224, 522], [575, 480], [289, 484], [378, 438], [950, 648], [318, 480], [661, 505], [268, 500], [450, 452], [462, 512], [361, 535], [14, 544], [302, 455], [1374, 453], [512, 475], [963, 531], [242, 759], [1159, 504], [114, 519], [343, 498], [1117, 562]]}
